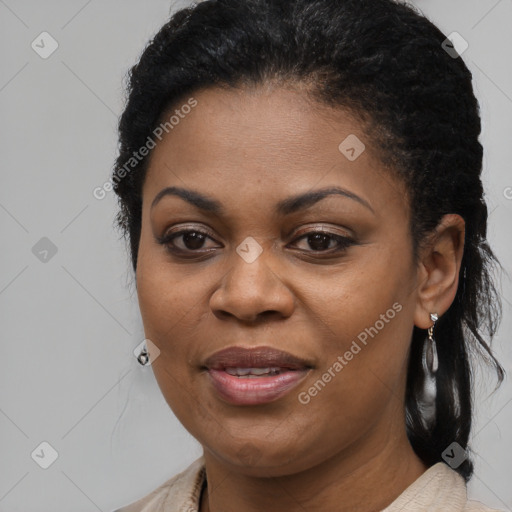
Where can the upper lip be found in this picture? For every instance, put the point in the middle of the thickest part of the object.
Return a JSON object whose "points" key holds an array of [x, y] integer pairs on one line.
{"points": [[256, 357]]}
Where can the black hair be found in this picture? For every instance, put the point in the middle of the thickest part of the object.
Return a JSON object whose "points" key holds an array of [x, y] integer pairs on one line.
{"points": [[384, 61]]}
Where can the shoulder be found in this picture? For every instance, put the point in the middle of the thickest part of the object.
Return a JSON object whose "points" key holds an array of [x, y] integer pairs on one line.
{"points": [[439, 489], [476, 506], [181, 492]]}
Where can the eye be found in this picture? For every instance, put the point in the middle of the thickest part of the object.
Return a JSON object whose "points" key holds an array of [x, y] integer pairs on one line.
{"points": [[185, 240], [192, 242], [325, 241]]}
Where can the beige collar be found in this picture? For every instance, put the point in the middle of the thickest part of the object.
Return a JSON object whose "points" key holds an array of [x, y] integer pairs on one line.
{"points": [[439, 489]]}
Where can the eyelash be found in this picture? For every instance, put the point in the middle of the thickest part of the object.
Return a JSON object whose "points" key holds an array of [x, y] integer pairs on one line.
{"points": [[343, 242]]}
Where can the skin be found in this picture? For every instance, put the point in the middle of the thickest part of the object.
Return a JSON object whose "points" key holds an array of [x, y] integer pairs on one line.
{"points": [[248, 149]]}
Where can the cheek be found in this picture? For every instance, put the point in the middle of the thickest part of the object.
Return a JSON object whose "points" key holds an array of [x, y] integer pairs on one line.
{"points": [[364, 324], [358, 386], [168, 301], [354, 298]]}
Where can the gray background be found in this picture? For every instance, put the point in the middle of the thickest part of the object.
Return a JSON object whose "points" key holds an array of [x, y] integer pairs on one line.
{"points": [[69, 324]]}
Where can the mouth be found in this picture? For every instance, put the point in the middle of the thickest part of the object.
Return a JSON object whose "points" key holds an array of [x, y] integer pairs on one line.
{"points": [[252, 376]]}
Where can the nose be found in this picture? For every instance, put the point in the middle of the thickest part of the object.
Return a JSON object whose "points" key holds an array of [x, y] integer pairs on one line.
{"points": [[252, 291]]}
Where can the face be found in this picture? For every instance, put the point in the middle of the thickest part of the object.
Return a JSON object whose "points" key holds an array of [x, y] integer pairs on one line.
{"points": [[329, 280]]}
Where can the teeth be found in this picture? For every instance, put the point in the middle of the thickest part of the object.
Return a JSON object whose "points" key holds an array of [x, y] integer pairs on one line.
{"points": [[253, 372], [259, 371], [238, 371]]}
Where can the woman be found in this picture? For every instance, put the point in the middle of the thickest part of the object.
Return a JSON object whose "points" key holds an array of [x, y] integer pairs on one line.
{"points": [[299, 182]]}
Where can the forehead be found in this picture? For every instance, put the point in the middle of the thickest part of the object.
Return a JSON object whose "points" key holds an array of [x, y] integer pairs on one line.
{"points": [[266, 143]]}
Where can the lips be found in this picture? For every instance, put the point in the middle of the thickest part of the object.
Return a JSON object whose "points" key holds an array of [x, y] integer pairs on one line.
{"points": [[251, 376], [258, 357]]}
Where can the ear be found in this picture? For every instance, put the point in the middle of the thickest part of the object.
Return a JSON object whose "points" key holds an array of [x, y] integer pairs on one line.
{"points": [[438, 269]]}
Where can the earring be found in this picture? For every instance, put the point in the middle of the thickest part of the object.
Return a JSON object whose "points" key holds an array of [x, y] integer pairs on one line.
{"points": [[430, 364], [143, 357]]}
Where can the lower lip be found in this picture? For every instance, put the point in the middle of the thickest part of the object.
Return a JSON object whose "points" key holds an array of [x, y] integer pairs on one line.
{"points": [[254, 390]]}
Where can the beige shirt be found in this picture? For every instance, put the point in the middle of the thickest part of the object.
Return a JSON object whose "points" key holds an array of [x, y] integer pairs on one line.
{"points": [[439, 489]]}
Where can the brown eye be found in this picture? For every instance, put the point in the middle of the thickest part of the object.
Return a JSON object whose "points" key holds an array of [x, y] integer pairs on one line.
{"points": [[192, 240], [322, 241], [186, 240]]}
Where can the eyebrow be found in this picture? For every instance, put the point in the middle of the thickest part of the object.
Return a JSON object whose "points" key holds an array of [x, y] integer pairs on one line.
{"points": [[286, 207]]}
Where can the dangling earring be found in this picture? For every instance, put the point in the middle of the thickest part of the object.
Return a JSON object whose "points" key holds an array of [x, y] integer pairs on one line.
{"points": [[431, 352], [430, 364], [143, 357]]}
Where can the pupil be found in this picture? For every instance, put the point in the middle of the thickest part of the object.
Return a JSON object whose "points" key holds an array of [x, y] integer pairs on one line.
{"points": [[315, 241], [193, 240]]}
